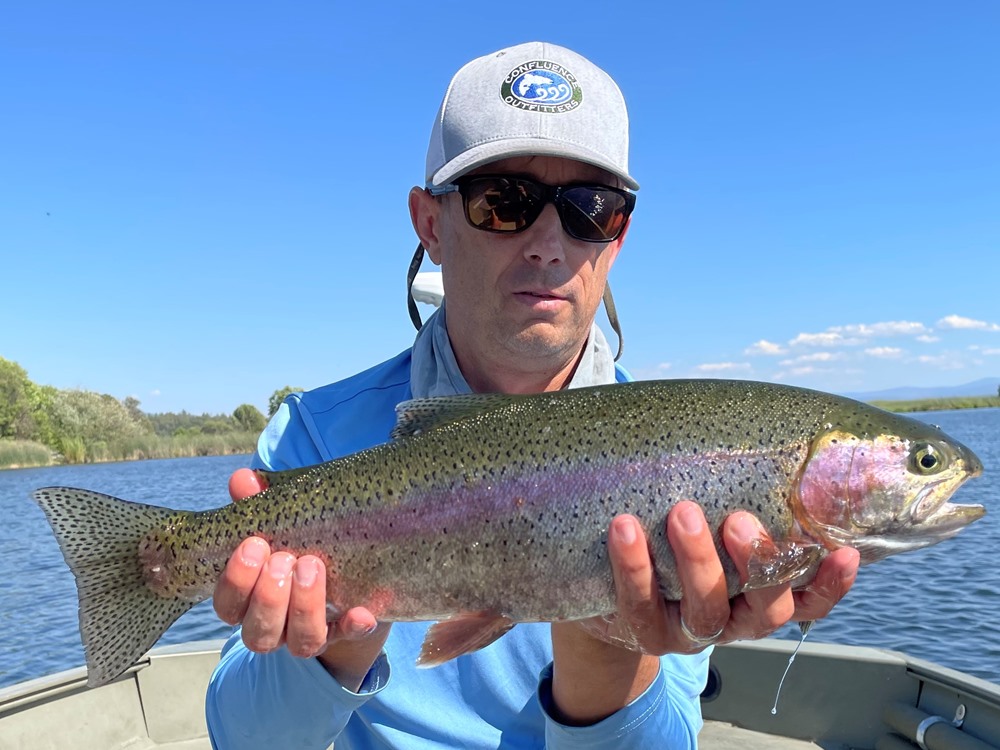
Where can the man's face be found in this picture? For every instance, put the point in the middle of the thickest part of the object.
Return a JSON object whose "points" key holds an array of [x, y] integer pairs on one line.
{"points": [[525, 296]]}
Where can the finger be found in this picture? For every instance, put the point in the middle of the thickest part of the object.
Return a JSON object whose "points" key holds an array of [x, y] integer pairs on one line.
{"points": [[245, 482], [355, 623], [235, 585], [705, 602], [264, 623], [306, 627], [759, 612], [833, 580], [640, 606]]}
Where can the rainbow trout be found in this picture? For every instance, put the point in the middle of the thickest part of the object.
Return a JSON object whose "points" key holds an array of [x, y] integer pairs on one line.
{"points": [[483, 511]]}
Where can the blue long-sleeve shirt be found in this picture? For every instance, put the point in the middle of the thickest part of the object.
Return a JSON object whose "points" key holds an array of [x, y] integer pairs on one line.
{"points": [[498, 697]]}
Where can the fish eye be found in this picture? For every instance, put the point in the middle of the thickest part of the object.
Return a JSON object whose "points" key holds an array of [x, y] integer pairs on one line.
{"points": [[926, 459]]}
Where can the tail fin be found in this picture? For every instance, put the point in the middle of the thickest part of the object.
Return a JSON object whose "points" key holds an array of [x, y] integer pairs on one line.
{"points": [[99, 535]]}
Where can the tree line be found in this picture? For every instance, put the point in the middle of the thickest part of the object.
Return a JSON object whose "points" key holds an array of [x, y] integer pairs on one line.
{"points": [[40, 424]]}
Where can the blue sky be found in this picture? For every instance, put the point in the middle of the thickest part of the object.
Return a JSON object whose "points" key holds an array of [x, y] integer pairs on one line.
{"points": [[203, 202]]}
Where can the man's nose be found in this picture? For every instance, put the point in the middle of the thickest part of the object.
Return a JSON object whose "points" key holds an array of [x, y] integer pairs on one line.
{"points": [[545, 239]]}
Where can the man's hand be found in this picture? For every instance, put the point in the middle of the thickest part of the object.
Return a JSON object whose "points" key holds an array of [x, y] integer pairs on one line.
{"points": [[705, 609], [620, 652], [281, 599]]}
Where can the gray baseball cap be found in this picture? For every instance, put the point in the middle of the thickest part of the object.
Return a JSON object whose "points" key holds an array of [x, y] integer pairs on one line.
{"points": [[532, 99]]}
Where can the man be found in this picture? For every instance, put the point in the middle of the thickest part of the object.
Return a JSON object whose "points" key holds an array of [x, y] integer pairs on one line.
{"points": [[526, 206]]}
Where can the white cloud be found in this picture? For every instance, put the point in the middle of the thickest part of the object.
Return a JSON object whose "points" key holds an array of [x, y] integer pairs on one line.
{"points": [[822, 339], [815, 357], [958, 322], [723, 367], [928, 339], [155, 392], [887, 328], [884, 352], [860, 333], [764, 347], [991, 352]]}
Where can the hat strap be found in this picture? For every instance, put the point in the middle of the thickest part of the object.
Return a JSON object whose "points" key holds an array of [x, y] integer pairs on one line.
{"points": [[411, 274], [609, 308]]}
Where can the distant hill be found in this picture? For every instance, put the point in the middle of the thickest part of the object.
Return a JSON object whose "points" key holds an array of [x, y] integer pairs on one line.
{"points": [[981, 387]]}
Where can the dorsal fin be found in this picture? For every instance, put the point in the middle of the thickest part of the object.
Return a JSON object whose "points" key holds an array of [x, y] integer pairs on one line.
{"points": [[421, 414]]}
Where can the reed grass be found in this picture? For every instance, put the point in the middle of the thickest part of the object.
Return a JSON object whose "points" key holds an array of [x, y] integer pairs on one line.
{"points": [[73, 450], [76, 451], [141, 447], [940, 404], [23, 453]]}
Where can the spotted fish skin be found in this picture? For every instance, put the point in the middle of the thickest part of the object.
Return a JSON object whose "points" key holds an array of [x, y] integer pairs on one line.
{"points": [[498, 506]]}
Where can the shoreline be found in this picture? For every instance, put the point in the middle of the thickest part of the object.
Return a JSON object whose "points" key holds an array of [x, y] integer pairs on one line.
{"points": [[951, 403], [52, 464]]}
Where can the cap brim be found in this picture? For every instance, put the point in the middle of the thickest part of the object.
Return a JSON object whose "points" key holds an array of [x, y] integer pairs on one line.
{"points": [[485, 153]]}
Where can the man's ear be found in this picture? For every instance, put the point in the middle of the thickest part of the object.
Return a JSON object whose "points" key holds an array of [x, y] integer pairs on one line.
{"points": [[424, 210]]}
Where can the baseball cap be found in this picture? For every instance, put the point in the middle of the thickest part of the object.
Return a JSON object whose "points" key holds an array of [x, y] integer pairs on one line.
{"points": [[531, 99]]}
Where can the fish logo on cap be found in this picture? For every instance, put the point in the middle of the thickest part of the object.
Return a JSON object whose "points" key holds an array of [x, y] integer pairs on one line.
{"points": [[541, 86]]}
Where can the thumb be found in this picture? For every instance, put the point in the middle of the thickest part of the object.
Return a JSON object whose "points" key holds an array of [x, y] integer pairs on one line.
{"points": [[245, 482]]}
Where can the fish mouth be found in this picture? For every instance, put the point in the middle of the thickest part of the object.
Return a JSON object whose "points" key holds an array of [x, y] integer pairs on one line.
{"points": [[931, 508], [935, 516], [950, 518], [945, 522]]}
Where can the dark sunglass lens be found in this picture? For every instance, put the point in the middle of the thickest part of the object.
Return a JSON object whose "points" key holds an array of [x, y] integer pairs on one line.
{"points": [[593, 214], [498, 204]]}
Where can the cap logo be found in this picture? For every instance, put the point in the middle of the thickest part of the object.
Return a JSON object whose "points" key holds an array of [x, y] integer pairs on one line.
{"points": [[541, 86]]}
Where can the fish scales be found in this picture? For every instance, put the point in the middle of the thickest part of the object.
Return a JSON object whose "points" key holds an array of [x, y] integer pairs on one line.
{"points": [[535, 486], [501, 504]]}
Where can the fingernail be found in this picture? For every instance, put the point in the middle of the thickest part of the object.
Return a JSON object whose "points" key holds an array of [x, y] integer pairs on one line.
{"points": [[691, 520], [254, 552], [360, 629], [305, 572], [279, 566], [625, 531]]}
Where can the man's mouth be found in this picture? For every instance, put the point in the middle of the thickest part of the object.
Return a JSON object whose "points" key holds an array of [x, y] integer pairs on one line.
{"points": [[541, 294]]}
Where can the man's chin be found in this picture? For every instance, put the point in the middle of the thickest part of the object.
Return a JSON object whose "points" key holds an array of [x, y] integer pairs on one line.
{"points": [[544, 341]]}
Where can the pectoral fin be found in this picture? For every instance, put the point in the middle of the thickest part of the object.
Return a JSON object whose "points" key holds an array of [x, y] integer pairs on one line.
{"points": [[774, 563], [461, 635]]}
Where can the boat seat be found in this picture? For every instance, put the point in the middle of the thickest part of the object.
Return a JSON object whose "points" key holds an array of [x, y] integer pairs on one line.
{"points": [[719, 735]]}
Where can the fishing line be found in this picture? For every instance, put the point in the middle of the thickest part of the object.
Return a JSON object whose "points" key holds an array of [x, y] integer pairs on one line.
{"points": [[805, 627]]}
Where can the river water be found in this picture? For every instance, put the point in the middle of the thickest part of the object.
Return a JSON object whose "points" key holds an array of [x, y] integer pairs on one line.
{"points": [[938, 604]]}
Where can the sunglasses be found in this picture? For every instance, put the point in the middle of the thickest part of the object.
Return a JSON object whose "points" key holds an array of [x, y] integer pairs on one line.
{"points": [[506, 204]]}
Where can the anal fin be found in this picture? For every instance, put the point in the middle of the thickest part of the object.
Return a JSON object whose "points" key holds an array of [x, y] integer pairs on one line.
{"points": [[461, 635]]}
